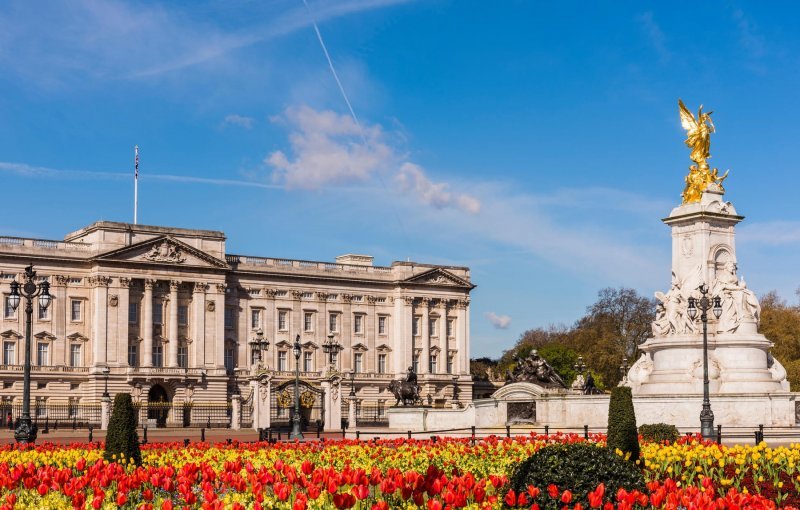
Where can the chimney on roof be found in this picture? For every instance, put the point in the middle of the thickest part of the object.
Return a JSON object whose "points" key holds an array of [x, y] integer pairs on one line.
{"points": [[355, 260]]}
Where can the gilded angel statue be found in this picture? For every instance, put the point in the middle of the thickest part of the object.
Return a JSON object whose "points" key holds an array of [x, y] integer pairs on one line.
{"points": [[698, 138]]}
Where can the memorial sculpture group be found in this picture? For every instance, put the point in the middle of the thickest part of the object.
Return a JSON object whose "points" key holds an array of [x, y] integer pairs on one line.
{"points": [[747, 386]]}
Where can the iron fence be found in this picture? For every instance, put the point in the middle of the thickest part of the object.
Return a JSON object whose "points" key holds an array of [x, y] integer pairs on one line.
{"points": [[54, 415]]}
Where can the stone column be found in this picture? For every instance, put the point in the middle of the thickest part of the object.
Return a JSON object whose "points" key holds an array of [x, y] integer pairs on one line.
{"points": [[99, 319], [402, 334], [173, 323], [58, 309], [371, 361], [346, 333], [270, 331], [199, 324], [351, 413], [262, 394], [219, 326], [333, 403], [461, 336], [123, 324], [147, 323], [236, 411], [425, 337], [443, 340]]}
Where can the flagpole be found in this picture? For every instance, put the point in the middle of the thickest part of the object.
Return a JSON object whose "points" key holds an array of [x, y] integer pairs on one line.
{"points": [[135, 184]]}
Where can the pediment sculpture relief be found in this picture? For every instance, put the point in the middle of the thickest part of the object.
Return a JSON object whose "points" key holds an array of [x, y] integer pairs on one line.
{"points": [[166, 251]]}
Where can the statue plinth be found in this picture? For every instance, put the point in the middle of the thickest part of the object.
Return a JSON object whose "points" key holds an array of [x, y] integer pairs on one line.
{"points": [[704, 252]]}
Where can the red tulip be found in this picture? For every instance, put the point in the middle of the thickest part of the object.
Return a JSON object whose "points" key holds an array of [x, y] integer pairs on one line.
{"points": [[566, 497]]}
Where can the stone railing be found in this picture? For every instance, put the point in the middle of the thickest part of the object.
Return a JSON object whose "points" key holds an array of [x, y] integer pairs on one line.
{"points": [[44, 244], [290, 373], [46, 368], [166, 371], [246, 260]]}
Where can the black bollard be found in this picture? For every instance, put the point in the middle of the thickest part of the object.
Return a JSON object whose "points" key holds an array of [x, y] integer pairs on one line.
{"points": [[46, 425], [586, 431], [144, 435], [319, 428], [546, 430], [344, 432], [208, 423], [508, 430], [409, 434], [228, 441], [202, 435], [91, 430], [760, 433], [473, 435], [358, 435], [185, 442], [719, 434], [74, 422]]}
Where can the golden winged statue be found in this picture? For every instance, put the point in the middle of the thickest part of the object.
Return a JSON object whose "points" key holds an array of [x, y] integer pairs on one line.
{"points": [[698, 138]]}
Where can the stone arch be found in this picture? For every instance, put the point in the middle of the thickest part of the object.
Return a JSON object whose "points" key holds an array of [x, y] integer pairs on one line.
{"points": [[721, 254]]}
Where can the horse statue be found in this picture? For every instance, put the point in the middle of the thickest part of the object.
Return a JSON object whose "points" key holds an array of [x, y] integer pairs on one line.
{"points": [[406, 391]]}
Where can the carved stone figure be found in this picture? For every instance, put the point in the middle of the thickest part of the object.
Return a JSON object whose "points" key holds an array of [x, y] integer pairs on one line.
{"points": [[536, 369], [671, 313], [739, 303], [165, 251]]}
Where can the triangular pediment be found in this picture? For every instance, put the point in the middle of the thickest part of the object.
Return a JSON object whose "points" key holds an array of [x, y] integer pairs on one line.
{"points": [[10, 334], [44, 335], [310, 345], [360, 347], [77, 337], [163, 250], [439, 277], [283, 344], [383, 348]]}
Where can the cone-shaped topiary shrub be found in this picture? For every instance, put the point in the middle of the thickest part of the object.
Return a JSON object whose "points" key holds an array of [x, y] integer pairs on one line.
{"points": [[622, 433], [122, 437], [579, 468]]}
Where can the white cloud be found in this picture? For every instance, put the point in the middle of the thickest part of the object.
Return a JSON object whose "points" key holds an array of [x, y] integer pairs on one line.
{"points": [[498, 321], [238, 120], [330, 148], [655, 35], [412, 178]]}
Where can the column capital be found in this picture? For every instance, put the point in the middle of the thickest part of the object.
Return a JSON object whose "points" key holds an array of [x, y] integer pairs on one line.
{"points": [[322, 296], [61, 280], [426, 301], [149, 283], [125, 282], [297, 294], [174, 285], [409, 300], [347, 298], [200, 287], [99, 281], [462, 303], [221, 287], [372, 299]]}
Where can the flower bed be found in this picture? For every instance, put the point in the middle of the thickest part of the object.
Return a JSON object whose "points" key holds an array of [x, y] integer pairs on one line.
{"points": [[448, 473]]}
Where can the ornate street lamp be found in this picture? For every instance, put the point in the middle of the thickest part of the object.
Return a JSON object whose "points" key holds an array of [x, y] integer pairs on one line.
{"points": [[258, 345], [705, 304], [26, 431], [331, 348], [580, 366], [296, 432], [106, 371]]}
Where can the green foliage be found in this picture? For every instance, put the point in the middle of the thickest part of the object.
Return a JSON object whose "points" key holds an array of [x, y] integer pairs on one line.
{"points": [[480, 368], [622, 433], [780, 323], [122, 437], [578, 467], [562, 359], [659, 432]]}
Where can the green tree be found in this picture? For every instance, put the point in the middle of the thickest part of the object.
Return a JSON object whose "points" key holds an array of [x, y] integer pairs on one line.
{"points": [[562, 359], [780, 323], [622, 432]]}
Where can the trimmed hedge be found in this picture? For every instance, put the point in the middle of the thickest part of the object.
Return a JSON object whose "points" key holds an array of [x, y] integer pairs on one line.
{"points": [[659, 432], [622, 433], [122, 438], [579, 468]]}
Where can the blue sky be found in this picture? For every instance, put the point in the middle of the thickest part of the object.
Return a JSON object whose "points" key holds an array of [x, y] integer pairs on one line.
{"points": [[536, 142]]}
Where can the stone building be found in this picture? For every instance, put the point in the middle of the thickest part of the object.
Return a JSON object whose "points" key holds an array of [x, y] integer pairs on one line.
{"points": [[169, 316]]}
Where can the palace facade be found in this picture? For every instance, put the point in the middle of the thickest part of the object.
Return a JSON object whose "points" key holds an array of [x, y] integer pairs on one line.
{"points": [[169, 316]]}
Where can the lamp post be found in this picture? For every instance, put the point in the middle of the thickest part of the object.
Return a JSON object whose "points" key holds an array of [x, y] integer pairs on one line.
{"points": [[353, 383], [296, 432], [106, 371], [705, 304], [331, 348], [26, 431], [580, 366], [258, 345]]}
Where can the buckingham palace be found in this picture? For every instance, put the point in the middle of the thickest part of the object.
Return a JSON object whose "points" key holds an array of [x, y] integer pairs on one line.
{"points": [[194, 333]]}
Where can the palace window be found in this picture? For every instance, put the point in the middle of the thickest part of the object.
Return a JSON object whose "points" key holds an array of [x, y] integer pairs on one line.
{"points": [[158, 354], [382, 325], [381, 363], [75, 355], [433, 360], [415, 363], [133, 355], [9, 353], [358, 324], [228, 317], [229, 358], [183, 356], [308, 361], [432, 326], [158, 312], [75, 307], [451, 326], [133, 313], [282, 361], [44, 313], [415, 326], [283, 316], [255, 319], [183, 315], [8, 310], [308, 322], [358, 362], [333, 322], [42, 354], [451, 361]]}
